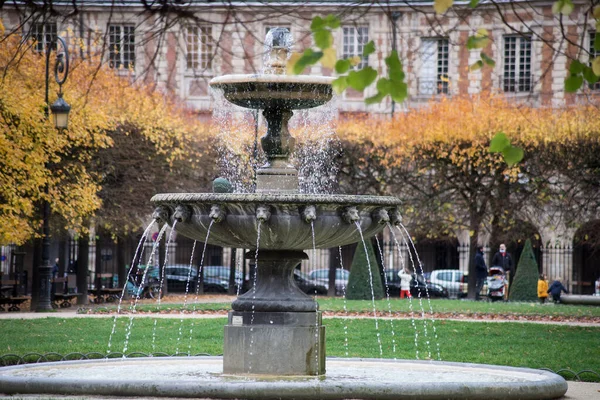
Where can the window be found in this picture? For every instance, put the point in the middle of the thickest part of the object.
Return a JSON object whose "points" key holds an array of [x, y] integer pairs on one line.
{"points": [[199, 48], [269, 27], [434, 69], [121, 46], [355, 39], [593, 54], [44, 34], [517, 64]]}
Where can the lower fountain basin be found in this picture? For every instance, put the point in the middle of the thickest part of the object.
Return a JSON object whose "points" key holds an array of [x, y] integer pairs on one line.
{"points": [[286, 218], [202, 377]]}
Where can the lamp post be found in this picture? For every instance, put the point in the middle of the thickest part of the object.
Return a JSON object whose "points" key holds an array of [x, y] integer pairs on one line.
{"points": [[60, 115]]}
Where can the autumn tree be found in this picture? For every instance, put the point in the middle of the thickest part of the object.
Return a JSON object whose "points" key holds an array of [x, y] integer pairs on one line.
{"points": [[438, 161]]}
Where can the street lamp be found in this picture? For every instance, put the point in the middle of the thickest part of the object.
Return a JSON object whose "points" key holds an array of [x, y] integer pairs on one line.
{"points": [[60, 114]]}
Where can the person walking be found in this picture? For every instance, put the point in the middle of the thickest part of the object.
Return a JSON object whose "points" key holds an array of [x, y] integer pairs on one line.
{"points": [[503, 259], [482, 271], [542, 289], [556, 289], [405, 278]]}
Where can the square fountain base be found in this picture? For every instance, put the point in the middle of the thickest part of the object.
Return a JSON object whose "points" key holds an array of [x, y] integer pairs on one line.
{"points": [[274, 343]]}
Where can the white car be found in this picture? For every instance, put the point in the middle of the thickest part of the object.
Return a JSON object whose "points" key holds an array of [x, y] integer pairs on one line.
{"points": [[451, 279]]}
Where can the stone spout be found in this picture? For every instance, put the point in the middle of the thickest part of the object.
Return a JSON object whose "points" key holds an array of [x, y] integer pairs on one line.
{"points": [[380, 216], [263, 213], [182, 213], [350, 215], [395, 217], [161, 214], [216, 213], [309, 214]]}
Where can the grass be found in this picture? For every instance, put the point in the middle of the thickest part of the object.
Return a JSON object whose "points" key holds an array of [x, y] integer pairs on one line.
{"points": [[554, 347], [396, 305]]}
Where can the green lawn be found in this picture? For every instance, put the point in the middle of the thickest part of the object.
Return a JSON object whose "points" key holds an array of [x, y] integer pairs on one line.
{"points": [[555, 347], [470, 308]]}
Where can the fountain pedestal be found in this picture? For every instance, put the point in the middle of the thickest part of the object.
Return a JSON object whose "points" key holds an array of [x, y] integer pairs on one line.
{"points": [[274, 343], [275, 328]]}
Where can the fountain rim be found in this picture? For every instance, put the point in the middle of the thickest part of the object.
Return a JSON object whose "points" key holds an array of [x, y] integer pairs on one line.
{"points": [[224, 80], [294, 198], [539, 384]]}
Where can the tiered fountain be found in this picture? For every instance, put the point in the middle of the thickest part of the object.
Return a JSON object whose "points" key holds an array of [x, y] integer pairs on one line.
{"points": [[274, 340]]}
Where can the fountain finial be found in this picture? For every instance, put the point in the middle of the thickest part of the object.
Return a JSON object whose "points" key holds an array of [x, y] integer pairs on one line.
{"points": [[278, 44]]}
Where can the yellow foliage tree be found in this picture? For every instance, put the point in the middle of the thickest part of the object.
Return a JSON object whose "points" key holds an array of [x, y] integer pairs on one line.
{"points": [[34, 155]]}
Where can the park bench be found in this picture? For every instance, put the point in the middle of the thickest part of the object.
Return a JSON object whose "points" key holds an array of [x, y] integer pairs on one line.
{"points": [[9, 296], [63, 300], [105, 294]]}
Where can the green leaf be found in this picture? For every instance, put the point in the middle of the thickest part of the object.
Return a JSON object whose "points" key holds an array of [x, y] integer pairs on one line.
{"points": [[323, 38], [473, 3], [395, 71], [342, 66], [478, 41], [476, 66], [398, 91], [369, 49], [332, 21], [486, 59], [340, 84], [573, 83], [309, 57], [588, 75], [317, 24], [576, 67], [375, 99], [513, 155], [596, 65], [384, 86], [564, 7], [499, 142], [359, 80], [474, 42], [441, 6]]}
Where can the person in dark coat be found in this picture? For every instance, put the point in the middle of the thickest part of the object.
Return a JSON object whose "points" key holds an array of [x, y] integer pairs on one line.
{"points": [[556, 289], [482, 271], [503, 259]]}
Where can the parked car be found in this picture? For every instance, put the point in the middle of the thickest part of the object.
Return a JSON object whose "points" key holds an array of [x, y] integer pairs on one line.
{"points": [[418, 285], [308, 285], [178, 275], [322, 276], [451, 279], [221, 273]]}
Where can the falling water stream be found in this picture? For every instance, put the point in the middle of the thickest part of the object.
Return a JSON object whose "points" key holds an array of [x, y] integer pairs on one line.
{"points": [[138, 292], [198, 283], [345, 303], [410, 305], [314, 261], [139, 247], [437, 343], [187, 289], [387, 295], [371, 285], [250, 350]]}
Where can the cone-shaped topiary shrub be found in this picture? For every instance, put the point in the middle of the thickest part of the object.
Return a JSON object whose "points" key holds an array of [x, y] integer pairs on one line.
{"points": [[359, 286], [524, 285]]}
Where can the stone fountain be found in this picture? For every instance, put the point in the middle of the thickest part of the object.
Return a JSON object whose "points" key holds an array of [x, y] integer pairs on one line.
{"points": [[274, 341]]}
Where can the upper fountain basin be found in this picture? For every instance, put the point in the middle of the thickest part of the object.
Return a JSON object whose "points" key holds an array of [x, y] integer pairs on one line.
{"points": [[291, 92], [285, 219]]}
